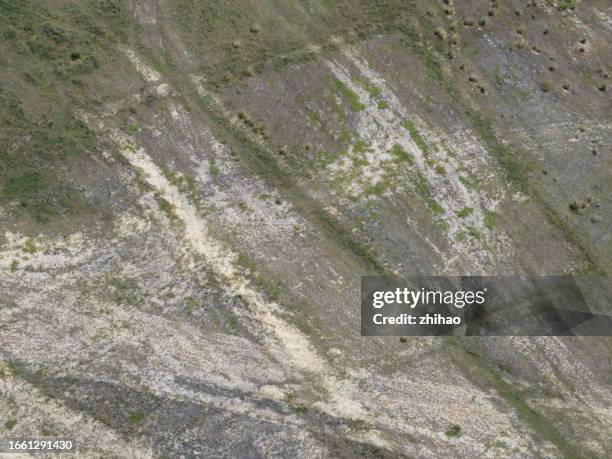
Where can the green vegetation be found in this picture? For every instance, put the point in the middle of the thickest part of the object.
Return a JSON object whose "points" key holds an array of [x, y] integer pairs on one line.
{"points": [[453, 431], [30, 246], [349, 95], [347, 136], [136, 417], [567, 5], [185, 183], [344, 237], [167, 208], [125, 291], [488, 373], [377, 189], [246, 262], [360, 146], [374, 91], [470, 182], [421, 186], [313, 117], [402, 155], [490, 220], [266, 285], [336, 108], [434, 206], [46, 52], [10, 424], [440, 170], [14, 265], [474, 232], [190, 304], [13, 368], [466, 211], [516, 172], [416, 137], [212, 167], [500, 444]]}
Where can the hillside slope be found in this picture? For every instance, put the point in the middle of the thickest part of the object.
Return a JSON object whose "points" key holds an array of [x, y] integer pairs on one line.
{"points": [[191, 190]]}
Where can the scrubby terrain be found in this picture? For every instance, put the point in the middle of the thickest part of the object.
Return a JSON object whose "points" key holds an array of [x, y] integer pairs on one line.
{"points": [[190, 191]]}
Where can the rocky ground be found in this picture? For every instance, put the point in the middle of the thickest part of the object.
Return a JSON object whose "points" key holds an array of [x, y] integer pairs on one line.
{"points": [[191, 190]]}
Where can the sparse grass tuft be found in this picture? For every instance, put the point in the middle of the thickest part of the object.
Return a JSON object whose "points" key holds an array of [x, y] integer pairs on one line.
{"points": [[349, 95], [30, 246], [434, 206], [136, 417], [416, 136], [453, 431], [401, 154], [360, 146], [167, 208], [466, 211], [440, 170], [475, 232], [313, 117], [567, 5], [212, 167], [490, 220], [10, 424]]}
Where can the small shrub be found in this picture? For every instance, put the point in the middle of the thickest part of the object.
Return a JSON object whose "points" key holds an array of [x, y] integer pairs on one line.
{"points": [[30, 246], [14, 265], [567, 5], [301, 409], [10, 424], [190, 304], [441, 34], [453, 431], [136, 418]]}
